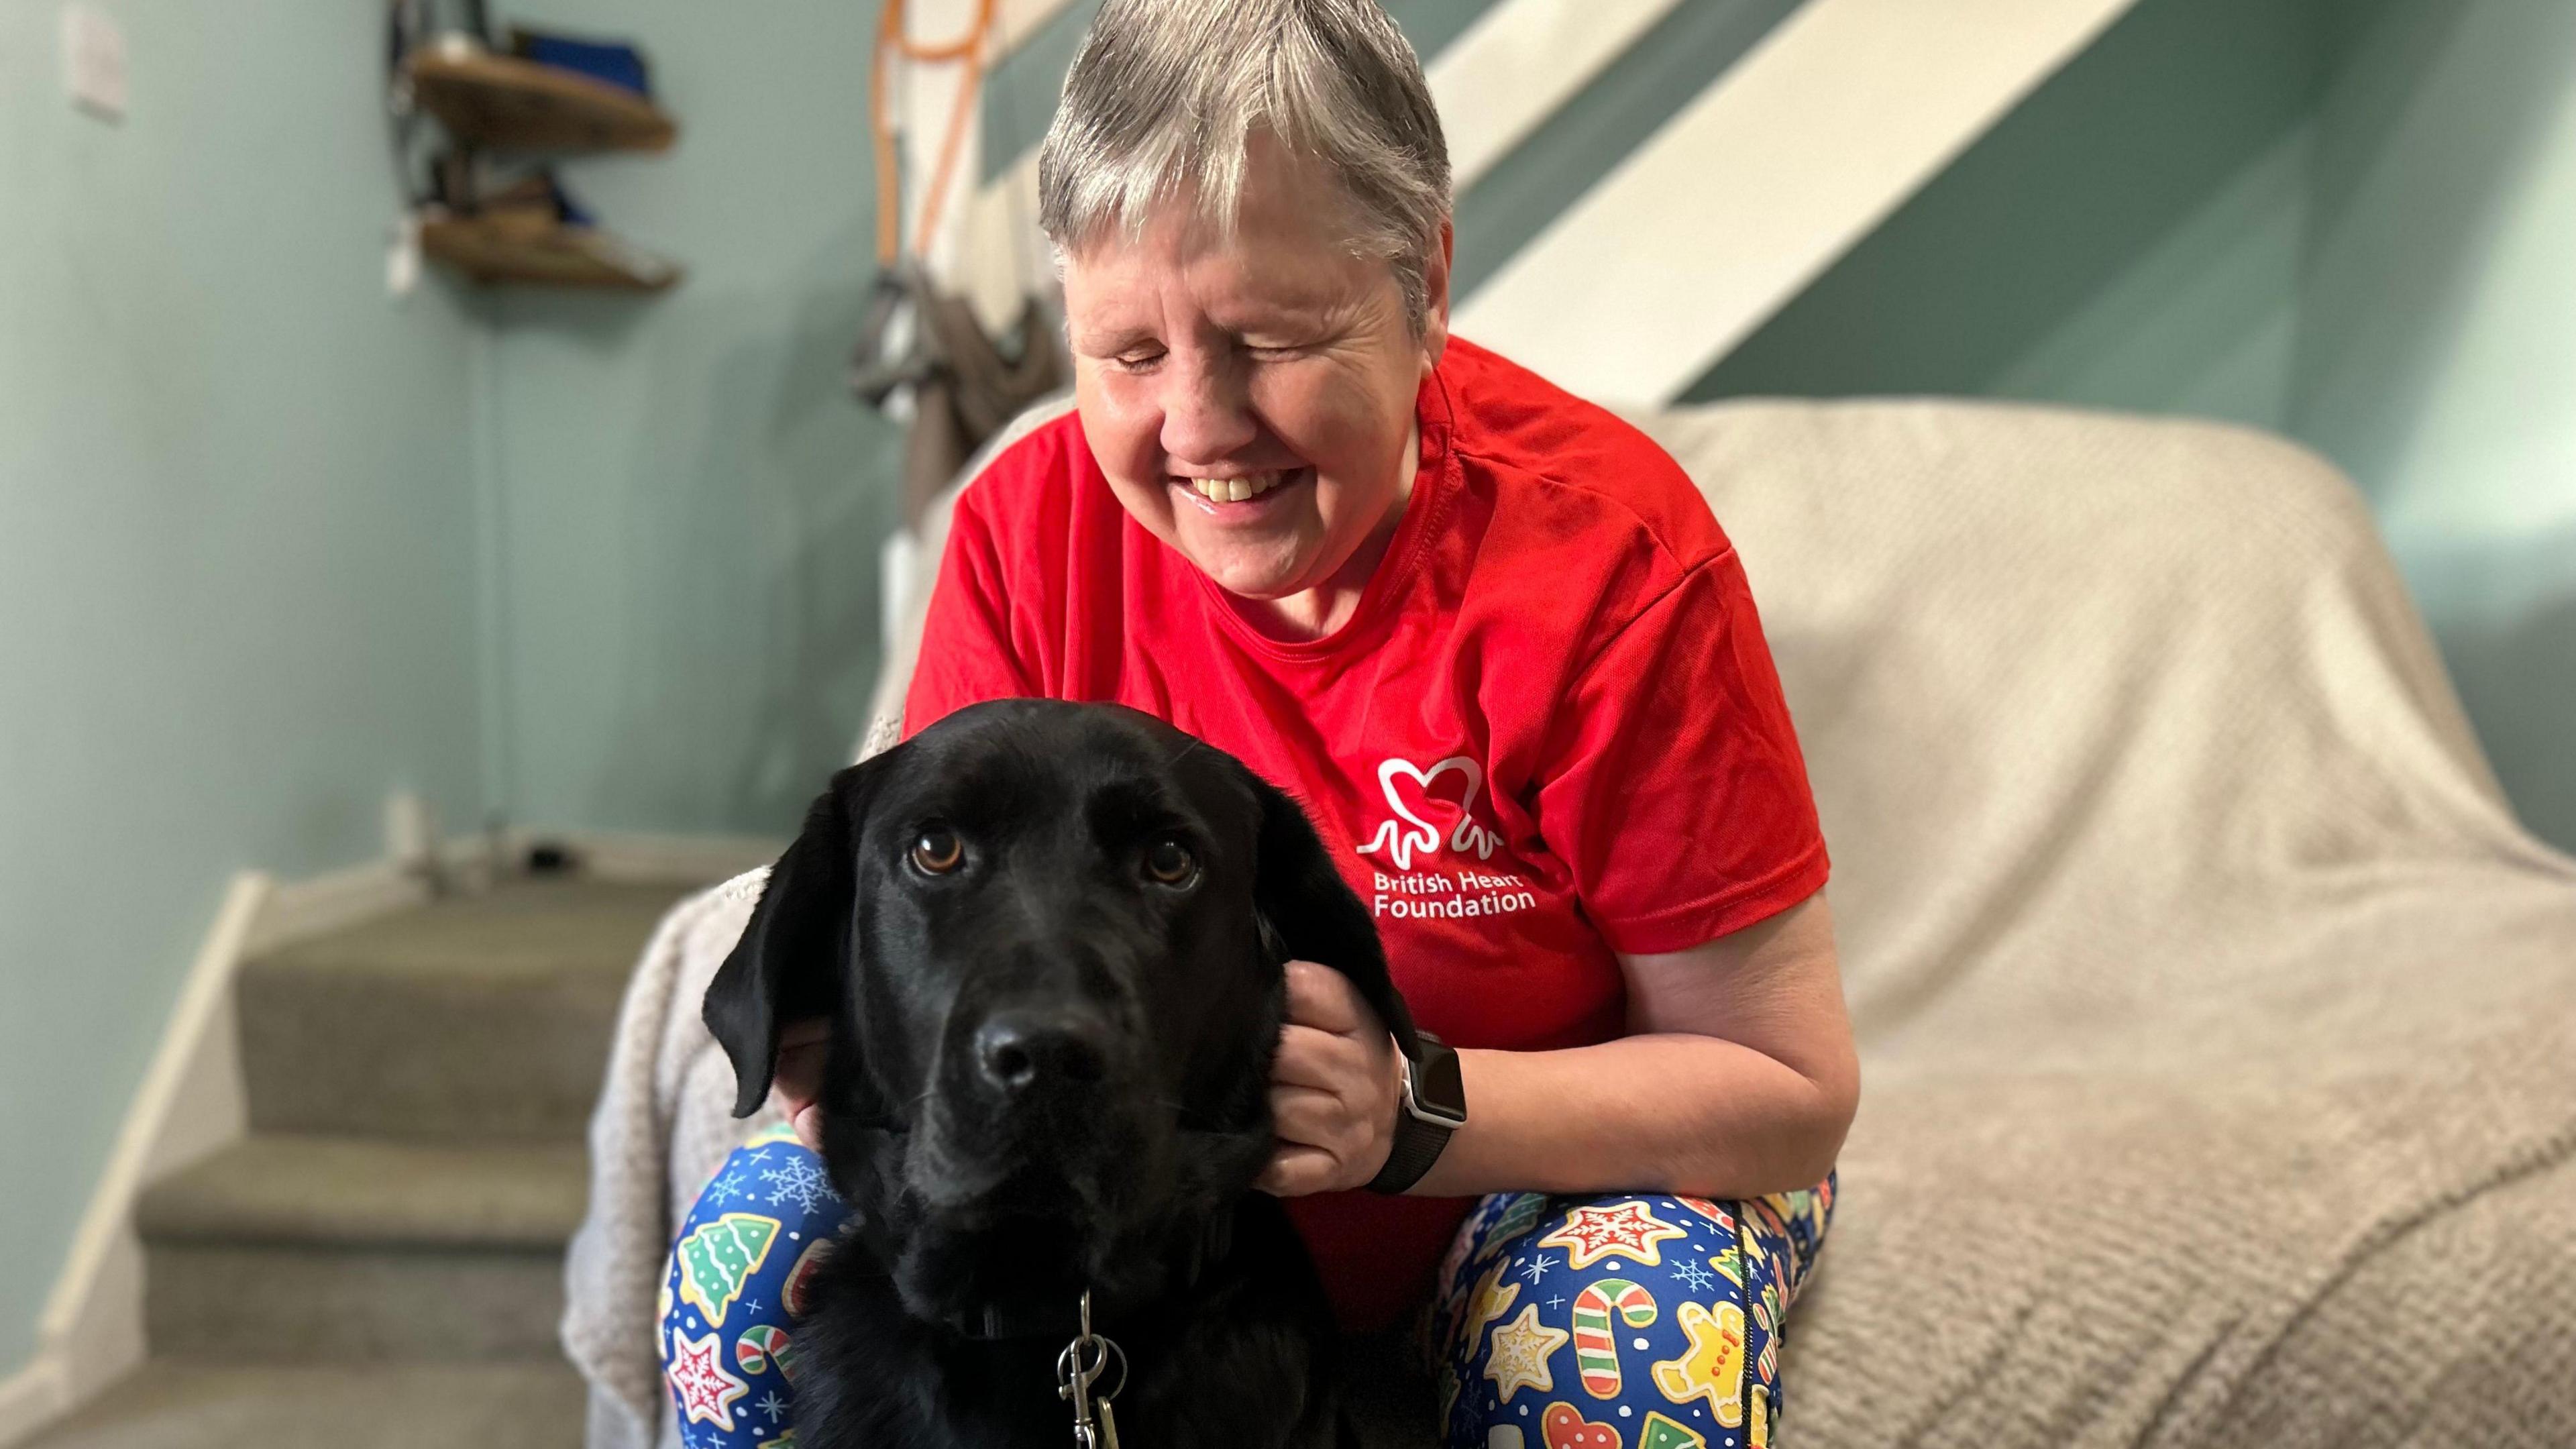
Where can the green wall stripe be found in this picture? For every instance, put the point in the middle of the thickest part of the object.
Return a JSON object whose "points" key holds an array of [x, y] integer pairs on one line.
{"points": [[1539, 179], [1433, 24], [1020, 89]]}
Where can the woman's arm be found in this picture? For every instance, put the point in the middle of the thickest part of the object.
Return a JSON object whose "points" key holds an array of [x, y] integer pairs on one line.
{"points": [[1739, 1080]]}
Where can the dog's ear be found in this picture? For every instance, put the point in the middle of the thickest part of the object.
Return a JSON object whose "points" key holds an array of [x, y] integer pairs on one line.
{"points": [[1309, 911], [787, 966]]}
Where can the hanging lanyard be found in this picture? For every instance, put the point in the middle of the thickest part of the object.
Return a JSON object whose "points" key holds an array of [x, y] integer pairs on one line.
{"points": [[892, 42]]}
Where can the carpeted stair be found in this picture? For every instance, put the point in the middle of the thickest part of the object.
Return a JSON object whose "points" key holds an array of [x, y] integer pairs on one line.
{"points": [[380, 1262]]}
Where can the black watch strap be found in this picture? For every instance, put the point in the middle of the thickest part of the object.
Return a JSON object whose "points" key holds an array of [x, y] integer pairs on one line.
{"points": [[1418, 1141], [1417, 1146]]}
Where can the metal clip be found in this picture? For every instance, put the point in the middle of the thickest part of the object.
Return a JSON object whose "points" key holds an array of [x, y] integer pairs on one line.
{"points": [[1076, 1369]]}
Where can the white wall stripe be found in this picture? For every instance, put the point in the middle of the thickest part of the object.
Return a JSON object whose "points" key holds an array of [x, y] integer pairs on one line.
{"points": [[1772, 173], [1014, 19], [1518, 63], [982, 246]]}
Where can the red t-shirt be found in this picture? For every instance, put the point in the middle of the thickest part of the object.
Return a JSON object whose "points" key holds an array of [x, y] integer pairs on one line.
{"points": [[1550, 732]]}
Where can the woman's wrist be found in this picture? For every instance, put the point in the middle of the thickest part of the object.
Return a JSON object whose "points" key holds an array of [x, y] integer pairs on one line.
{"points": [[1429, 1108], [1721, 1121]]}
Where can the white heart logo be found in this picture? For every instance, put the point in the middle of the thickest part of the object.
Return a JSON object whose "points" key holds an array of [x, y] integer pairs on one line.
{"points": [[1401, 843]]}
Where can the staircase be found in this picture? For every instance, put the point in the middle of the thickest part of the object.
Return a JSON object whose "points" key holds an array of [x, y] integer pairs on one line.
{"points": [[380, 1260]]}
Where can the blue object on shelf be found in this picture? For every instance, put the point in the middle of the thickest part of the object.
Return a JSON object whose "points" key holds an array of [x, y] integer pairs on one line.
{"points": [[618, 64]]}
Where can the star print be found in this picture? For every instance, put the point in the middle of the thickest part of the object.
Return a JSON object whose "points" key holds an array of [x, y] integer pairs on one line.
{"points": [[1536, 1268], [1592, 1233], [1556, 1300], [1518, 1356], [773, 1406], [1493, 1297], [706, 1391]]}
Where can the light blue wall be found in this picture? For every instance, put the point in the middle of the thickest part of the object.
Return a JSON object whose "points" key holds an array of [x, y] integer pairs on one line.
{"points": [[2437, 352], [2347, 220], [693, 501], [237, 570]]}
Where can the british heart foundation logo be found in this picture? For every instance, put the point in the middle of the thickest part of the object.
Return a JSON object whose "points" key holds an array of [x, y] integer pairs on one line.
{"points": [[1429, 809]]}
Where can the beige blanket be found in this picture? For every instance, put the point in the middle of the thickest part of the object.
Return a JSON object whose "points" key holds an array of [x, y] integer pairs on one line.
{"points": [[2219, 1023]]}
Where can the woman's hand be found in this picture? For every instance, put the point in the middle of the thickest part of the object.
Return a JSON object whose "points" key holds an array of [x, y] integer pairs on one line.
{"points": [[1333, 1088], [798, 1082]]}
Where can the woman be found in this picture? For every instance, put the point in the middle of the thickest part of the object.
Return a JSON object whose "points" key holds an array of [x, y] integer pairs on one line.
{"points": [[1494, 641]]}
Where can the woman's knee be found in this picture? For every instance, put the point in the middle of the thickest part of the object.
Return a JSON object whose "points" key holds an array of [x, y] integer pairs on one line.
{"points": [[1623, 1321], [733, 1288]]}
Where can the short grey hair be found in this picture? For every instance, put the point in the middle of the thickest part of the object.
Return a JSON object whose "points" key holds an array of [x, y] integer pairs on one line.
{"points": [[1165, 97]]}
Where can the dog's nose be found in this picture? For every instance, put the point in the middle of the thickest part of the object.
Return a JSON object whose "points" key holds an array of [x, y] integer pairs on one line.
{"points": [[1027, 1048]]}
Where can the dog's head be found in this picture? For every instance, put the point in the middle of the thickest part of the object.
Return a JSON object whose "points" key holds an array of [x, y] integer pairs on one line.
{"points": [[1049, 939]]}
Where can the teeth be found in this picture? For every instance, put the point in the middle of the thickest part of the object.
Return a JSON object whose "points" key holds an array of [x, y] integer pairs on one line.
{"points": [[1235, 490]]}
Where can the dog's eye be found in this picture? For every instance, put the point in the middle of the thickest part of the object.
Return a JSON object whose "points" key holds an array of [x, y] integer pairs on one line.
{"points": [[1169, 861], [937, 850]]}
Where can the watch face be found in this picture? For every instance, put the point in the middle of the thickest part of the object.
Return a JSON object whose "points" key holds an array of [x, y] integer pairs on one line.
{"points": [[1438, 1090]]}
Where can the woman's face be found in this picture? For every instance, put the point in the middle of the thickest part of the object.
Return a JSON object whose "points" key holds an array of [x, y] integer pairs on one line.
{"points": [[1251, 398]]}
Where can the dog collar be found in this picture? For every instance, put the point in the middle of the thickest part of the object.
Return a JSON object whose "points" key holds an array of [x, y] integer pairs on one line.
{"points": [[994, 1320]]}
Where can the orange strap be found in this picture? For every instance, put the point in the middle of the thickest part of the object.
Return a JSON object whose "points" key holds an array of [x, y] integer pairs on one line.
{"points": [[891, 41]]}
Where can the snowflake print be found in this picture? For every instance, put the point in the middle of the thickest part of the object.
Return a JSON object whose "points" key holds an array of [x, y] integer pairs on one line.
{"points": [[1696, 1276], [726, 1188], [802, 1182], [773, 1406], [1536, 1268]]}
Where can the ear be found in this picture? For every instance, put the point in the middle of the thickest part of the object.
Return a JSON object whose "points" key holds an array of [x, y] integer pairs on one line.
{"points": [[787, 966], [1309, 911]]}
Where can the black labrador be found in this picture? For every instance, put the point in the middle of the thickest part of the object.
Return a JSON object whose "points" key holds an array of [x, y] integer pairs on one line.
{"points": [[1049, 940]]}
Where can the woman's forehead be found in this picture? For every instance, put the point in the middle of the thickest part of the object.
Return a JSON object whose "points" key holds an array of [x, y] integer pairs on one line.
{"points": [[1289, 243]]}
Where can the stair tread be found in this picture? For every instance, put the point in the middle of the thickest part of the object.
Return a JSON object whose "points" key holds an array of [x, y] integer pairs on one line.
{"points": [[370, 1192], [175, 1404], [525, 929]]}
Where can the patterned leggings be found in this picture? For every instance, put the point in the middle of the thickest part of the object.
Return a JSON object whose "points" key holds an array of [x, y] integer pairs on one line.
{"points": [[1627, 1322], [1622, 1322]]}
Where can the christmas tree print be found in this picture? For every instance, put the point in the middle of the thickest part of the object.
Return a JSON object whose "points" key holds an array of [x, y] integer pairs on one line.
{"points": [[719, 1258]]}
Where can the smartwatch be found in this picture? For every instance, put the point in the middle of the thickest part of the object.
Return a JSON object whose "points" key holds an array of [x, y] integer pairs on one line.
{"points": [[1434, 1105]]}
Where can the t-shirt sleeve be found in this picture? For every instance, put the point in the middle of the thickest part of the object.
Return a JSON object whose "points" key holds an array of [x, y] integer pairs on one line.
{"points": [[1675, 790], [966, 650]]}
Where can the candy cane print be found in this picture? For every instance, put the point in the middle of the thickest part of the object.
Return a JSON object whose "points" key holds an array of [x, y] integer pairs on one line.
{"points": [[1596, 1347]]}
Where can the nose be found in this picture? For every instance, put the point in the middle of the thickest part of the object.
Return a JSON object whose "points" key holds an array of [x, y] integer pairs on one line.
{"points": [[1028, 1049], [1207, 412]]}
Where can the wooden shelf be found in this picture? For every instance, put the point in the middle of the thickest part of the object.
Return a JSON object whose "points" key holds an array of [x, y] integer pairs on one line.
{"points": [[502, 101], [533, 248]]}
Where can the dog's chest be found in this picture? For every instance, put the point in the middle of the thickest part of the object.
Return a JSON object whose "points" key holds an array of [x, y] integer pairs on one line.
{"points": [[1209, 1373]]}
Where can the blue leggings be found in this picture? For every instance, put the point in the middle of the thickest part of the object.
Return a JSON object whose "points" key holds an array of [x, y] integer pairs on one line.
{"points": [[1624, 1322]]}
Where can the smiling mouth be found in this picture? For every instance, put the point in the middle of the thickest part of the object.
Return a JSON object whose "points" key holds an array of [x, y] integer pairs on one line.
{"points": [[1215, 493]]}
